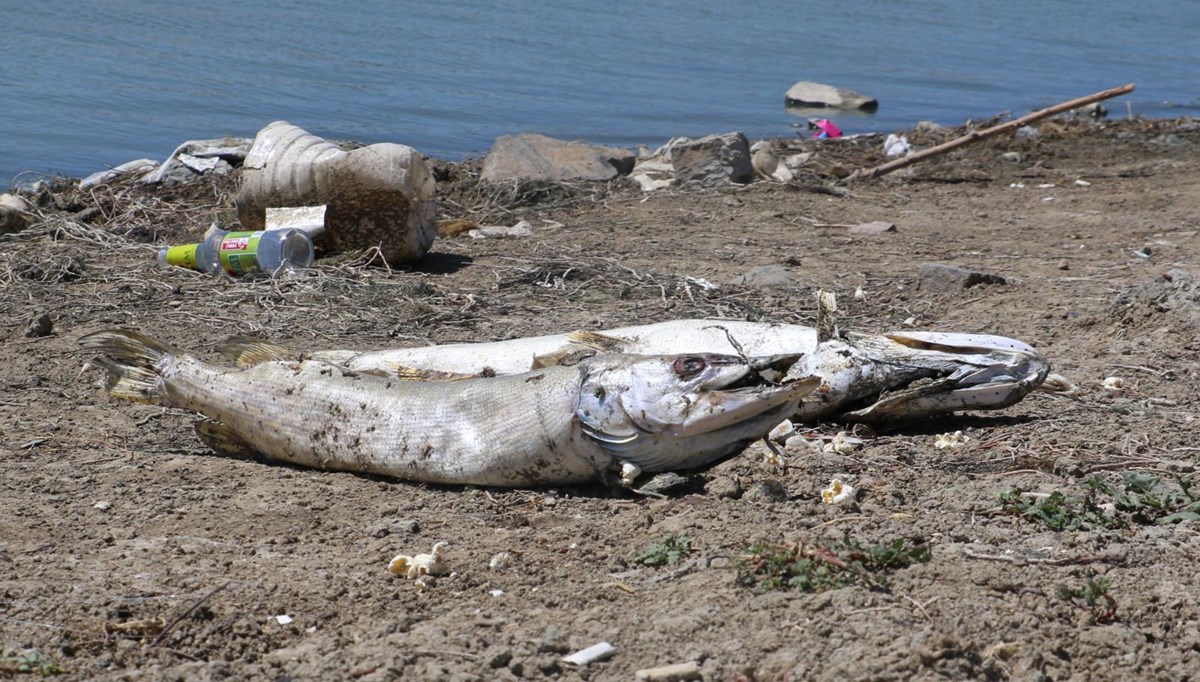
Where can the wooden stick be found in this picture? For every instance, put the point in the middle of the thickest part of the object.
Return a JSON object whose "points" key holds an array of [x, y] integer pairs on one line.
{"points": [[976, 135]]}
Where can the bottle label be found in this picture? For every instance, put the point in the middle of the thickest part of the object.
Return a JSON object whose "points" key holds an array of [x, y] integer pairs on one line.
{"points": [[239, 253], [183, 256]]}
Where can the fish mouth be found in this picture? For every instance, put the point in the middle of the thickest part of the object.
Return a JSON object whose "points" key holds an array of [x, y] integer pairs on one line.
{"points": [[758, 390], [757, 373], [949, 372]]}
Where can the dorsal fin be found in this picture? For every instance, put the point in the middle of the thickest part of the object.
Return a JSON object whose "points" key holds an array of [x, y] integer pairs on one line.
{"points": [[601, 342], [247, 351]]}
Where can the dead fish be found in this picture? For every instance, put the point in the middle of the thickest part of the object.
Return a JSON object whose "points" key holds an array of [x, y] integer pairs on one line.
{"points": [[555, 425], [871, 378]]}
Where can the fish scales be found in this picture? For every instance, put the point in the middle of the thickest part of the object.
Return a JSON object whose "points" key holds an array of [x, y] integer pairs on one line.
{"points": [[312, 415], [554, 425]]}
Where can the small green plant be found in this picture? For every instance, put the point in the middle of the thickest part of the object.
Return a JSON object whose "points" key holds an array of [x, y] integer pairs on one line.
{"points": [[767, 566], [1139, 500], [671, 550], [1094, 597], [31, 662]]}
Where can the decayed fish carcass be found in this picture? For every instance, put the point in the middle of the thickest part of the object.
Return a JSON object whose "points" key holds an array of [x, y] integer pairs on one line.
{"points": [[554, 425], [864, 377]]}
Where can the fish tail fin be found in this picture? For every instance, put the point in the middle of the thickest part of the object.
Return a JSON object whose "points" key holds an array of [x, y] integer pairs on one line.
{"points": [[130, 361], [247, 351]]}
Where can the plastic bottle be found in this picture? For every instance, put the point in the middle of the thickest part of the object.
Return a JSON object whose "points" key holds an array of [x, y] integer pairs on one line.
{"points": [[241, 253]]}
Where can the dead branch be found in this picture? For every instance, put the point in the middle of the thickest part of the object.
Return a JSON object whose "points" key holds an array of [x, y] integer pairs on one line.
{"points": [[977, 135]]}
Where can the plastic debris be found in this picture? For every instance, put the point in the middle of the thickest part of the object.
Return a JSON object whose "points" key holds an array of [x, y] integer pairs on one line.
{"points": [[782, 431], [596, 652], [838, 492], [950, 440], [1113, 384], [284, 619], [896, 145], [823, 128], [521, 229]]}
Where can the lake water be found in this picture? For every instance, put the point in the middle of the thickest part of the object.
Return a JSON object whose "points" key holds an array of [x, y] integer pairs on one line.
{"points": [[86, 86]]}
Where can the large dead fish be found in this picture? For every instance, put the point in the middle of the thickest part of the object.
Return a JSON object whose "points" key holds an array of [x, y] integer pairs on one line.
{"points": [[561, 424], [864, 377]]}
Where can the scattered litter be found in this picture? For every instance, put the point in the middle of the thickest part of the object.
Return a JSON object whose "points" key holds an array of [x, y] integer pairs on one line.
{"points": [[500, 561], [521, 229], [309, 219], [859, 294], [896, 145], [843, 444], [596, 652], [1143, 253], [873, 227], [950, 440], [416, 568], [1113, 384], [102, 505], [798, 442], [823, 128], [497, 593], [702, 283], [838, 492], [676, 672], [311, 629], [909, 321], [1016, 185], [284, 619], [1046, 185], [1083, 183]]}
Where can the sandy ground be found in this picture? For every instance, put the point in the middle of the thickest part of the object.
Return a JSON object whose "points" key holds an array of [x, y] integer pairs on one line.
{"points": [[129, 551]]}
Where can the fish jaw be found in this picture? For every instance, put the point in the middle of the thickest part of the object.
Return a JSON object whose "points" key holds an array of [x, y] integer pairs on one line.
{"points": [[963, 372], [655, 417]]}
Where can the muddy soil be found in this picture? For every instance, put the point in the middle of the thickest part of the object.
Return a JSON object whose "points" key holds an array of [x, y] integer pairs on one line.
{"points": [[130, 551]]}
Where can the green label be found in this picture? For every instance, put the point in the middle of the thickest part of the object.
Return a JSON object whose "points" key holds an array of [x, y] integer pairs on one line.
{"points": [[183, 256], [239, 253]]}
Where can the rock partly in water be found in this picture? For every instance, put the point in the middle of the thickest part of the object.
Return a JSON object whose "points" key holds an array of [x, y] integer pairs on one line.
{"points": [[810, 94], [942, 277], [195, 158], [537, 157], [713, 160], [380, 196]]}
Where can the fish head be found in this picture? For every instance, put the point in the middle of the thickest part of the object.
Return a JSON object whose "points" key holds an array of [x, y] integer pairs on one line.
{"points": [[670, 412], [937, 373]]}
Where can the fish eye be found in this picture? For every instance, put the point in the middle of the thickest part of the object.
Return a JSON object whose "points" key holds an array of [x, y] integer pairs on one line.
{"points": [[688, 367]]}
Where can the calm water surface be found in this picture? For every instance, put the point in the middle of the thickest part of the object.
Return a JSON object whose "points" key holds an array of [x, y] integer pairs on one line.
{"points": [[90, 85]]}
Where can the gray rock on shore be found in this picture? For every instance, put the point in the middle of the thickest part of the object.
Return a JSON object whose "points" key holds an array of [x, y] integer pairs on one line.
{"points": [[537, 157], [713, 160], [810, 94]]}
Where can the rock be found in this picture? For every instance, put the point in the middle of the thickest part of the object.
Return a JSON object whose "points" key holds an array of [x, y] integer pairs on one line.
{"points": [[941, 277], [874, 227], [810, 94], [537, 157], [127, 168], [1170, 298], [41, 325], [521, 229], [713, 160], [14, 213], [380, 195], [764, 276], [194, 158]]}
